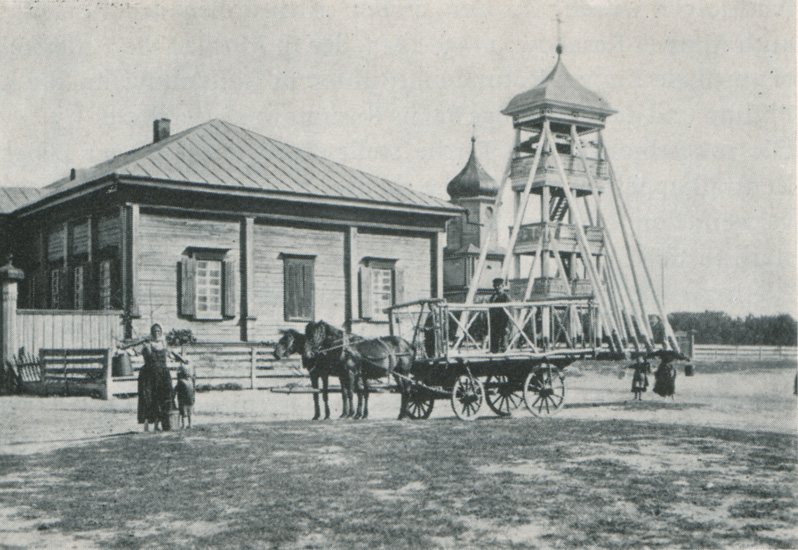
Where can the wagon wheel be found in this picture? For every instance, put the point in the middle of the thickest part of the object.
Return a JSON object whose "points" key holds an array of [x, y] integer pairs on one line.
{"points": [[502, 395], [467, 397], [544, 390], [420, 402]]}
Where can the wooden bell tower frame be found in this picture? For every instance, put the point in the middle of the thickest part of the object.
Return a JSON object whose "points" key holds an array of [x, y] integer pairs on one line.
{"points": [[560, 156]]}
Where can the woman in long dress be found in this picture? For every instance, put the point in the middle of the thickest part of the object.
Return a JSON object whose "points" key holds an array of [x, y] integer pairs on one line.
{"points": [[155, 382]]}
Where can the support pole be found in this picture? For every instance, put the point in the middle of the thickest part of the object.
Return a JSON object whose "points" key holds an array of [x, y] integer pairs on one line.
{"points": [[666, 324], [10, 277], [583, 243], [612, 257], [519, 217]]}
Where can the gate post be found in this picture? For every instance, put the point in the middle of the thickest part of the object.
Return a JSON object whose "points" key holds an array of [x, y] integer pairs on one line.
{"points": [[9, 278]]}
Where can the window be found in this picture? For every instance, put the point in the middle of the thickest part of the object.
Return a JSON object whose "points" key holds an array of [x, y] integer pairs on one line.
{"points": [[298, 288], [207, 285], [381, 286], [107, 281]]}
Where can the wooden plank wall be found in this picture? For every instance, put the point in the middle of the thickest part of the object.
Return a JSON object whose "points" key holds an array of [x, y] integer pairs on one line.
{"points": [[413, 257], [68, 329], [272, 242], [162, 241]]}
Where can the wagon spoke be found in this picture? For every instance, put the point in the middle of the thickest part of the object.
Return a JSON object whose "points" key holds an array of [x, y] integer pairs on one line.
{"points": [[467, 397], [544, 390]]}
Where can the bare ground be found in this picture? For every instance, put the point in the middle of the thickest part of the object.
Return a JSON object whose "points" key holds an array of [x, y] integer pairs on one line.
{"points": [[605, 473]]}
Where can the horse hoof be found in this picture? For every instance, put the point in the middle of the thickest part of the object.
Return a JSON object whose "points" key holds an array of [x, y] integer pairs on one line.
{"points": [[315, 418]]}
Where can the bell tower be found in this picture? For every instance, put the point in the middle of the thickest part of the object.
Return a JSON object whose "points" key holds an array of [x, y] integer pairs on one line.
{"points": [[560, 247]]}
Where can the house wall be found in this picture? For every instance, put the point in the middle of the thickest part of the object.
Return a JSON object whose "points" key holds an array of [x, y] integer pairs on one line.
{"points": [[272, 242], [161, 243], [413, 255]]}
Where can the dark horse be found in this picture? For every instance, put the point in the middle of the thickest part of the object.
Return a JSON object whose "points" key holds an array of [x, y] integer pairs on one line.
{"points": [[320, 367], [364, 360]]}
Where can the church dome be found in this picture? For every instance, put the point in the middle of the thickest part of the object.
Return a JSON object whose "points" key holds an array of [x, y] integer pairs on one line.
{"points": [[473, 180]]}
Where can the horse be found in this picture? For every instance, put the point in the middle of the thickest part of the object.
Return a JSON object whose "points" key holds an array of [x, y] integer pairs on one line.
{"points": [[365, 359], [319, 367]]}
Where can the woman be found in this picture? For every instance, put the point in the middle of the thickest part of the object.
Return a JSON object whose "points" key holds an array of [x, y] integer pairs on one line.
{"points": [[155, 382]]}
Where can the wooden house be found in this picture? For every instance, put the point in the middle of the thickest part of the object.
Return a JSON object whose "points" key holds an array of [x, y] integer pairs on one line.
{"points": [[228, 233]]}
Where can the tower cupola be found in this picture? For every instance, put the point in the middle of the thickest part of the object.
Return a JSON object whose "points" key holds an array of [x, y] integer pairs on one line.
{"points": [[560, 98]]}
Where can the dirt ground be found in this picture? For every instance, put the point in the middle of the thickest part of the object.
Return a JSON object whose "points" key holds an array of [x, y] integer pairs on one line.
{"points": [[703, 482], [754, 401]]}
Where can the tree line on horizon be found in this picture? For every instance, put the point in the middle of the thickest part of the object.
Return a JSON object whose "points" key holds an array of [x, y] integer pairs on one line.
{"points": [[719, 328]]}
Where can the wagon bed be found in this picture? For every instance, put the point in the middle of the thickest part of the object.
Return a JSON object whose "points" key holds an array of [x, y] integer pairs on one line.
{"points": [[543, 337]]}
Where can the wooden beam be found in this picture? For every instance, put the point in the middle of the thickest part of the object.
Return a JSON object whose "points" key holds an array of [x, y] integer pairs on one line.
{"points": [[669, 335], [247, 269], [436, 265], [350, 276], [129, 216], [604, 308], [612, 259], [521, 209]]}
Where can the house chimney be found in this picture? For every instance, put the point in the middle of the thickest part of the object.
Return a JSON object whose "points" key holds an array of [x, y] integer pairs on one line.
{"points": [[72, 174], [160, 129]]}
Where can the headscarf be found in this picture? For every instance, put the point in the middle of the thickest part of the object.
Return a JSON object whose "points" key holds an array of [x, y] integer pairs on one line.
{"points": [[160, 342]]}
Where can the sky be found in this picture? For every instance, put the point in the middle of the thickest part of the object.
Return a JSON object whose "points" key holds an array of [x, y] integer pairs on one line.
{"points": [[704, 141]]}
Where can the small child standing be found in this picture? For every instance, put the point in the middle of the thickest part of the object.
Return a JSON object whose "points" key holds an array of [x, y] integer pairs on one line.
{"points": [[185, 396], [640, 378]]}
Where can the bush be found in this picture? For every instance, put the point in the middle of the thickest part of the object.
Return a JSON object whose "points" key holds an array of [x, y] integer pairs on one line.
{"points": [[180, 337]]}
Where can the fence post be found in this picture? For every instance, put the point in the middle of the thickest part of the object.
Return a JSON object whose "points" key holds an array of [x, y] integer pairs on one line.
{"points": [[9, 278], [252, 364], [107, 390]]}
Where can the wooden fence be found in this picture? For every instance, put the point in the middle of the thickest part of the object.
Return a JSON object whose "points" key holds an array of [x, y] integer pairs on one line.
{"points": [[705, 352], [249, 365], [37, 329]]}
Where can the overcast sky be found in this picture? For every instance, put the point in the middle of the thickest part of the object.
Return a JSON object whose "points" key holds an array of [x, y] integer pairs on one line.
{"points": [[703, 141]]}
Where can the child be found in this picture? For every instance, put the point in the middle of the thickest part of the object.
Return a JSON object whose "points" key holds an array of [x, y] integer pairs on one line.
{"points": [[640, 378], [185, 396]]}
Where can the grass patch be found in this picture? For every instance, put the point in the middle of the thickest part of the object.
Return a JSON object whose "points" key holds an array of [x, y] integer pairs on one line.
{"points": [[515, 482]]}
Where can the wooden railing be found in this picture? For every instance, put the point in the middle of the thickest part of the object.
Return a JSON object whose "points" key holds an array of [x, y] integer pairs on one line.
{"points": [[248, 364]]}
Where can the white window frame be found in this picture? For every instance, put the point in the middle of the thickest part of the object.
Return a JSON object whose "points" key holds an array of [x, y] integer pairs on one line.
{"points": [[208, 289]]}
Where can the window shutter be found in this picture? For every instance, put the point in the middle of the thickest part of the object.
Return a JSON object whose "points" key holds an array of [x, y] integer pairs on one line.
{"points": [[365, 293], [89, 292], [306, 295], [289, 290], [229, 281], [116, 284], [398, 286], [65, 286], [188, 270]]}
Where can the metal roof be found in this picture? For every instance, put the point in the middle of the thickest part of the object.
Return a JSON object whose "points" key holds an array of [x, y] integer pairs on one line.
{"points": [[218, 153], [558, 88], [12, 198]]}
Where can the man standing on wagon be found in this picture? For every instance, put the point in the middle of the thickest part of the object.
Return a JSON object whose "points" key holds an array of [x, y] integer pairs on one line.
{"points": [[498, 317]]}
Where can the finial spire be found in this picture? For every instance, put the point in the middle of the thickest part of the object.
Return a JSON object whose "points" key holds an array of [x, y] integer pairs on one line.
{"points": [[559, 37], [473, 133]]}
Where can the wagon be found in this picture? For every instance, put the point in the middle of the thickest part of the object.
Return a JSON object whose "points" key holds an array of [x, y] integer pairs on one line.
{"points": [[543, 337]]}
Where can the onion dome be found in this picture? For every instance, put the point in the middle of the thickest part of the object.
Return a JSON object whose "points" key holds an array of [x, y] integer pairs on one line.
{"points": [[473, 180], [558, 89]]}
